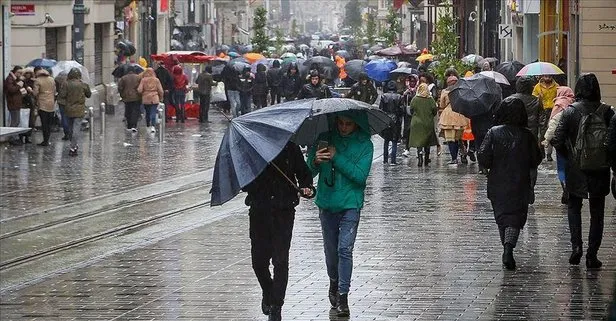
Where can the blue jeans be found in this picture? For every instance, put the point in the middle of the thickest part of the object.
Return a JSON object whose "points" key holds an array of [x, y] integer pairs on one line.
{"points": [[150, 114], [394, 150], [245, 102], [339, 231], [64, 120], [234, 101], [74, 125]]}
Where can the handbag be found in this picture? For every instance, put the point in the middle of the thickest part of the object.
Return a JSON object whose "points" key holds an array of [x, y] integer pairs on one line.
{"points": [[218, 93]]}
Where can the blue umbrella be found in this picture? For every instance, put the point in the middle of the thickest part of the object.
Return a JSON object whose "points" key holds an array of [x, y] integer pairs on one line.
{"points": [[42, 62], [233, 54], [253, 140], [378, 70]]}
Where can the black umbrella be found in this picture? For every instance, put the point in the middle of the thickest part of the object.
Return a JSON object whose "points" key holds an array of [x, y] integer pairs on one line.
{"points": [[320, 61], [253, 140], [123, 69], [474, 96], [354, 68], [509, 69], [403, 71]]}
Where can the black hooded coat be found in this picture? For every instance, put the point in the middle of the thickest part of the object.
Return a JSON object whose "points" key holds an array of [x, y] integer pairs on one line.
{"points": [[524, 87], [588, 98]]}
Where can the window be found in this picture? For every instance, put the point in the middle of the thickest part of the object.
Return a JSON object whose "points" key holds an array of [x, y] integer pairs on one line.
{"points": [[51, 43], [98, 53]]}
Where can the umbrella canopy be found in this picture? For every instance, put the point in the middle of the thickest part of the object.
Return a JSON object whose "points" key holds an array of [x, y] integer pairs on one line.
{"points": [[472, 59], [321, 62], [233, 54], [123, 69], [497, 76], [434, 64], [288, 55], [253, 140], [424, 57], [509, 69], [474, 96], [396, 51], [253, 57], [64, 66], [490, 60], [344, 54], [303, 46], [374, 57], [42, 62], [375, 48], [379, 69], [404, 71], [540, 68], [354, 68], [240, 66]]}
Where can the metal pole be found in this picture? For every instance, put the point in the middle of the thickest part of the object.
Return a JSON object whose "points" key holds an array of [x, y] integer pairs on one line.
{"points": [[78, 30], [91, 111], [162, 120], [102, 112]]}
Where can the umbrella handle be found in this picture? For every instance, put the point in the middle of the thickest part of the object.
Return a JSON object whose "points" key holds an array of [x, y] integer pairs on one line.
{"points": [[299, 190]]}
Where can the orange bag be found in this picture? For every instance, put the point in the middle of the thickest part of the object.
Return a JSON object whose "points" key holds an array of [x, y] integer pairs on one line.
{"points": [[468, 133]]}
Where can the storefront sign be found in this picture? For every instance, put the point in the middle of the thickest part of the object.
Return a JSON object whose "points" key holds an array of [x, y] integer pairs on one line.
{"points": [[22, 9], [163, 6]]}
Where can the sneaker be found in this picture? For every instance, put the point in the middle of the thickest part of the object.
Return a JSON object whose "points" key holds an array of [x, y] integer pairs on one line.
{"points": [[44, 144], [153, 129], [406, 153], [453, 162], [134, 130]]}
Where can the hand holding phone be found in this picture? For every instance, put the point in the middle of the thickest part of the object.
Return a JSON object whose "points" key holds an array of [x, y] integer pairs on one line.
{"points": [[322, 154]]}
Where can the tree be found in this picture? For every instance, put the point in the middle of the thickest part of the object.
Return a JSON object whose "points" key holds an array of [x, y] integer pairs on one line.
{"points": [[445, 46], [294, 30], [393, 28], [352, 16], [260, 40], [371, 29], [279, 40]]}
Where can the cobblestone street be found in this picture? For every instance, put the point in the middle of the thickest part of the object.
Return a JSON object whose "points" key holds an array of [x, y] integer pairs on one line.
{"points": [[427, 247]]}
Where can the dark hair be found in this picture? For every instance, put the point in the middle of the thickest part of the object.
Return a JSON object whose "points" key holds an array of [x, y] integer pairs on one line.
{"points": [[587, 88], [428, 76], [451, 72], [16, 68], [37, 68], [314, 73], [208, 69]]}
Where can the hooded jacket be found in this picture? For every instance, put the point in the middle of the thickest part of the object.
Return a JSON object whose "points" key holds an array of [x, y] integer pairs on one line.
{"points": [[366, 93], [291, 84], [546, 93], [246, 82], [44, 90], [342, 180], [127, 86], [274, 75], [534, 107], [392, 104], [164, 77], [260, 83], [180, 82], [231, 78], [150, 88], [74, 92], [564, 98], [581, 183]]}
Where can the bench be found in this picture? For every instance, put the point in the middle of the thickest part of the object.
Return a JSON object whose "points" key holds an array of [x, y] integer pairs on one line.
{"points": [[12, 131]]}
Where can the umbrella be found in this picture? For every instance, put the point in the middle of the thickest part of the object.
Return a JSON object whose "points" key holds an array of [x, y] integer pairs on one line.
{"points": [[320, 61], [497, 76], [375, 48], [253, 140], [510, 69], [354, 68], [217, 70], [42, 62], [540, 68], [472, 59], [344, 54], [253, 66], [253, 57], [474, 96], [303, 46], [379, 69], [233, 54], [330, 72], [123, 69], [396, 51], [374, 57], [404, 71], [288, 55], [490, 60], [240, 66], [424, 57], [64, 66]]}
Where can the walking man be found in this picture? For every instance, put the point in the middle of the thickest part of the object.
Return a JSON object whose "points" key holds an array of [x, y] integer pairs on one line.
{"points": [[343, 167], [128, 88], [272, 200], [205, 81], [587, 173]]}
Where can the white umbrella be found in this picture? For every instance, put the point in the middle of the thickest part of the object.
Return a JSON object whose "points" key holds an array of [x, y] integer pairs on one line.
{"points": [[65, 66], [288, 55], [497, 76]]}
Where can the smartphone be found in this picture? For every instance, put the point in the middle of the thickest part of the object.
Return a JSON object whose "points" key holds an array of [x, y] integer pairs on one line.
{"points": [[322, 144]]}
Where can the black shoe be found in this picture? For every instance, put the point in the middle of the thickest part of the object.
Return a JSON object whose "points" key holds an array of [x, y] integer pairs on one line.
{"points": [[592, 262], [576, 255], [463, 160], [66, 137], [343, 306], [508, 260], [27, 140], [549, 158], [419, 161], [44, 144], [333, 293], [427, 161], [275, 313], [72, 152], [471, 155], [265, 306], [564, 199]]}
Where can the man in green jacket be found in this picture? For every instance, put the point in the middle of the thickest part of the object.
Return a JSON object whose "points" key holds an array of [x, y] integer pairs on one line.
{"points": [[343, 169]]}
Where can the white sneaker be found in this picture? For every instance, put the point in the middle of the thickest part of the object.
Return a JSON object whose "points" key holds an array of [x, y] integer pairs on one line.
{"points": [[153, 129], [134, 130], [406, 153]]}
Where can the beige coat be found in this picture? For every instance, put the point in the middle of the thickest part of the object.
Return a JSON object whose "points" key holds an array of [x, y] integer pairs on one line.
{"points": [[150, 88], [450, 119], [44, 90]]}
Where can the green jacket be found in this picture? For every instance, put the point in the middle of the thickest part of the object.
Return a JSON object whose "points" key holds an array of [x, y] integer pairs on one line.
{"points": [[351, 166], [422, 122], [74, 93]]}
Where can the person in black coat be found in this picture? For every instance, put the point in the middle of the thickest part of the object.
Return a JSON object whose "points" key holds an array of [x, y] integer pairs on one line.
{"points": [[392, 103], [259, 88], [594, 185], [166, 81], [510, 151], [246, 83], [611, 142], [274, 77], [272, 200], [291, 83], [315, 89], [524, 87], [363, 90]]}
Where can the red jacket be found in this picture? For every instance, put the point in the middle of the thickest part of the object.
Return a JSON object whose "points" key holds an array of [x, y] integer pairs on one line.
{"points": [[180, 82]]}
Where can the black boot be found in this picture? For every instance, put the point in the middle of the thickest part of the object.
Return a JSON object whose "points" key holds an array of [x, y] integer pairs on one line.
{"points": [[427, 159], [564, 199], [265, 304], [508, 260], [576, 255], [592, 262], [333, 293], [420, 160], [343, 306], [275, 313], [471, 155]]}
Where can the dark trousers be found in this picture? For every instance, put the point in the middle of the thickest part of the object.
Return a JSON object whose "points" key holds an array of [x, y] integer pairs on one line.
{"points": [[47, 119], [260, 100], [132, 109], [63, 120], [204, 107], [270, 239], [597, 212], [245, 102], [275, 96]]}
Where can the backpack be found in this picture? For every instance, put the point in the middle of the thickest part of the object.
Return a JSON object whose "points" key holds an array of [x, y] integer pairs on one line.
{"points": [[590, 147]]}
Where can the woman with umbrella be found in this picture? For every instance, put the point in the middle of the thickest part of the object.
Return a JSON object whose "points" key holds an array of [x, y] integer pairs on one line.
{"points": [[452, 124], [422, 134]]}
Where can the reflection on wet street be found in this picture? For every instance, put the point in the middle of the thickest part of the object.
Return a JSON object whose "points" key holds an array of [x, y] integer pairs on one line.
{"points": [[427, 247]]}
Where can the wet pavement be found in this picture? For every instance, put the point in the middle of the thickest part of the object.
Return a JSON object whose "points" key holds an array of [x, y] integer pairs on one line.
{"points": [[427, 247]]}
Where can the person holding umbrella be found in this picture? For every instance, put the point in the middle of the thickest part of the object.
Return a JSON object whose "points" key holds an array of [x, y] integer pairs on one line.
{"points": [[452, 124], [74, 93], [272, 200], [363, 90], [343, 163], [423, 134], [546, 91], [510, 151]]}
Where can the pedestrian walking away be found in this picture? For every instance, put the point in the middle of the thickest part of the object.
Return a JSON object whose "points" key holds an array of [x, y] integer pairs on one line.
{"points": [[581, 136], [343, 169], [74, 92], [44, 91], [546, 91], [510, 151], [245, 88], [205, 82], [259, 89], [272, 200], [452, 124], [422, 134], [392, 103], [274, 77], [152, 93], [231, 79], [128, 87]]}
